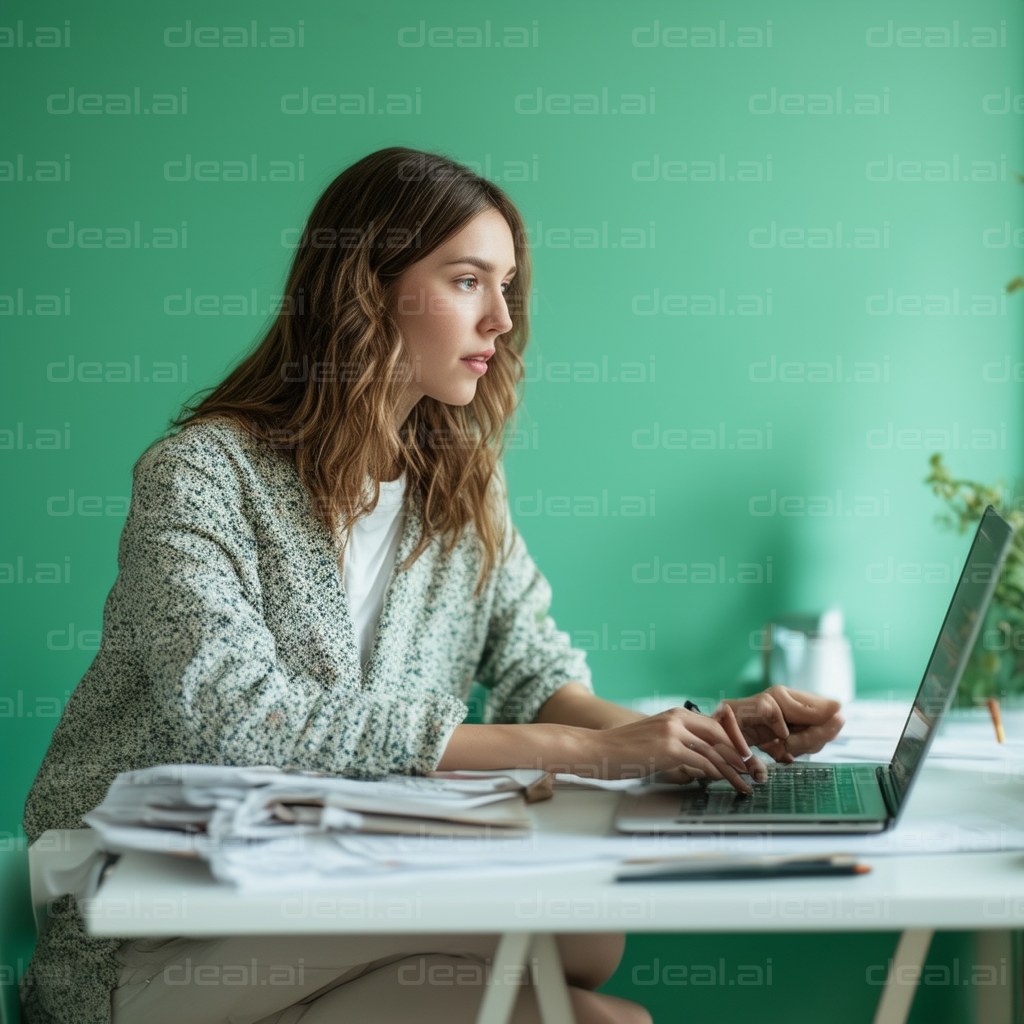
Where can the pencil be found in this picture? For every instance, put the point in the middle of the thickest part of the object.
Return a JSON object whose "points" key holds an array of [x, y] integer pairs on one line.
{"points": [[781, 868], [997, 719]]}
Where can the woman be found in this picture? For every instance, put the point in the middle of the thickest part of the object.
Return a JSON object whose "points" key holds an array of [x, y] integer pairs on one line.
{"points": [[314, 570]]}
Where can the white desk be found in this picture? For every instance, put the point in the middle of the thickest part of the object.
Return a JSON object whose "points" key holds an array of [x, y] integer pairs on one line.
{"points": [[150, 894]]}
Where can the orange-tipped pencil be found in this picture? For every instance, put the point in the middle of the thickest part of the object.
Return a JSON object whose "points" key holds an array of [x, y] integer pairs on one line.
{"points": [[997, 719]]}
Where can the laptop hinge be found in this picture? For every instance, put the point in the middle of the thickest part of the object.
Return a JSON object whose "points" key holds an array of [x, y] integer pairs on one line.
{"points": [[888, 792]]}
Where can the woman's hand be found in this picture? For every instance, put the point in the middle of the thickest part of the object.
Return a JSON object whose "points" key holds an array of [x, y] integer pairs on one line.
{"points": [[784, 722], [688, 744], [579, 733]]}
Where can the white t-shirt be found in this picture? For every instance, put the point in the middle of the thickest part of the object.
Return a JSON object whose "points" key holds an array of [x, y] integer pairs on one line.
{"points": [[368, 560]]}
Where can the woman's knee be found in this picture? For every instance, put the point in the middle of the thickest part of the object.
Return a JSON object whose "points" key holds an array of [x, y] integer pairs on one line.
{"points": [[590, 959], [598, 1008]]}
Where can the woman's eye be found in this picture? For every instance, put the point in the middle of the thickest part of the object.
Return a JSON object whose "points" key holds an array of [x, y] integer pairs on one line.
{"points": [[472, 283]]}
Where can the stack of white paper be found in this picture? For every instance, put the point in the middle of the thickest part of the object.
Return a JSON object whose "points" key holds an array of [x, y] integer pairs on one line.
{"points": [[966, 739], [195, 809], [262, 826], [356, 859]]}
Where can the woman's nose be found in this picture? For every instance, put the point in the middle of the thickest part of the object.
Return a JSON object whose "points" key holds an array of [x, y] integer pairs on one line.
{"points": [[499, 316]]}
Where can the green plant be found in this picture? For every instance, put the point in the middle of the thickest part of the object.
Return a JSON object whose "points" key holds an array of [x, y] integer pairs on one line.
{"points": [[996, 665]]}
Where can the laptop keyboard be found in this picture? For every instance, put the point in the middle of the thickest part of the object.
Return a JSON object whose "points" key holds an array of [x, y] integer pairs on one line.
{"points": [[790, 789]]}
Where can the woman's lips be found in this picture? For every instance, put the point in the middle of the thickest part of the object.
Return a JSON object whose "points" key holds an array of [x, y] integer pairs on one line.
{"points": [[477, 365]]}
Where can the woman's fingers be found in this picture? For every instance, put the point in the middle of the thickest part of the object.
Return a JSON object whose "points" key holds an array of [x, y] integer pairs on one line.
{"points": [[678, 776], [814, 720], [812, 738], [802, 708], [783, 723], [760, 713], [678, 738], [711, 732], [757, 769], [773, 716], [776, 749], [727, 717], [694, 755], [716, 758]]}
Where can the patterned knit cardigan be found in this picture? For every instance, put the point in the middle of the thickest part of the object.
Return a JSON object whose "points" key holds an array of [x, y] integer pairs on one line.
{"points": [[227, 639]]}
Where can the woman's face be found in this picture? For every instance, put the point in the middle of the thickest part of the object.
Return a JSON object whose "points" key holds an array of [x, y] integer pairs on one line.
{"points": [[450, 306]]}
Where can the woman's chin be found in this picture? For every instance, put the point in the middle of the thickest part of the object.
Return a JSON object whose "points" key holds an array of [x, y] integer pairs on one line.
{"points": [[458, 396]]}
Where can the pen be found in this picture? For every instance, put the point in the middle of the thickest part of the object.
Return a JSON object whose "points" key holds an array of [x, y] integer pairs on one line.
{"points": [[741, 869], [997, 719]]}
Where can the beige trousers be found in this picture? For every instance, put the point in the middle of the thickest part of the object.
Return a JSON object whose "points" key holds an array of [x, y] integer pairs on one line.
{"points": [[320, 979]]}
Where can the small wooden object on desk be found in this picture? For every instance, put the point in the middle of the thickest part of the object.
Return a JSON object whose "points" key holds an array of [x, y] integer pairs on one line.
{"points": [[997, 719]]}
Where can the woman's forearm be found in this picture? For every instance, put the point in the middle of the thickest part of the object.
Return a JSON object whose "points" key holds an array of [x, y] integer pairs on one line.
{"points": [[674, 739], [562, 739], [574, 704], [552, 747]]}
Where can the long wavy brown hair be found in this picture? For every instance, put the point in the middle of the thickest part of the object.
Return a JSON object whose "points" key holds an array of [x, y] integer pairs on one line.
{"points": [[324, 382]]}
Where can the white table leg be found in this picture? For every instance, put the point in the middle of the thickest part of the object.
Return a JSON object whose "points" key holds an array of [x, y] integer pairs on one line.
{"points": [[507, 970], [501, 990], [904, 974], [995, 953], [549, 982]]}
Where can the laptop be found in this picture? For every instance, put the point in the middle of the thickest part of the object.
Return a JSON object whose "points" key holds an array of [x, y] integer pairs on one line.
{"points": [[815, 797]]}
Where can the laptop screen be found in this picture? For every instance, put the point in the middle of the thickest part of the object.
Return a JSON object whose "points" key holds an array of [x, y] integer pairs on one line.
{"points": [[956, 639]]}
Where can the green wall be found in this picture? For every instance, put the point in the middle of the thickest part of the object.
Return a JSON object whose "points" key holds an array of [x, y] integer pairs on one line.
{"points": [[770, 243]]}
